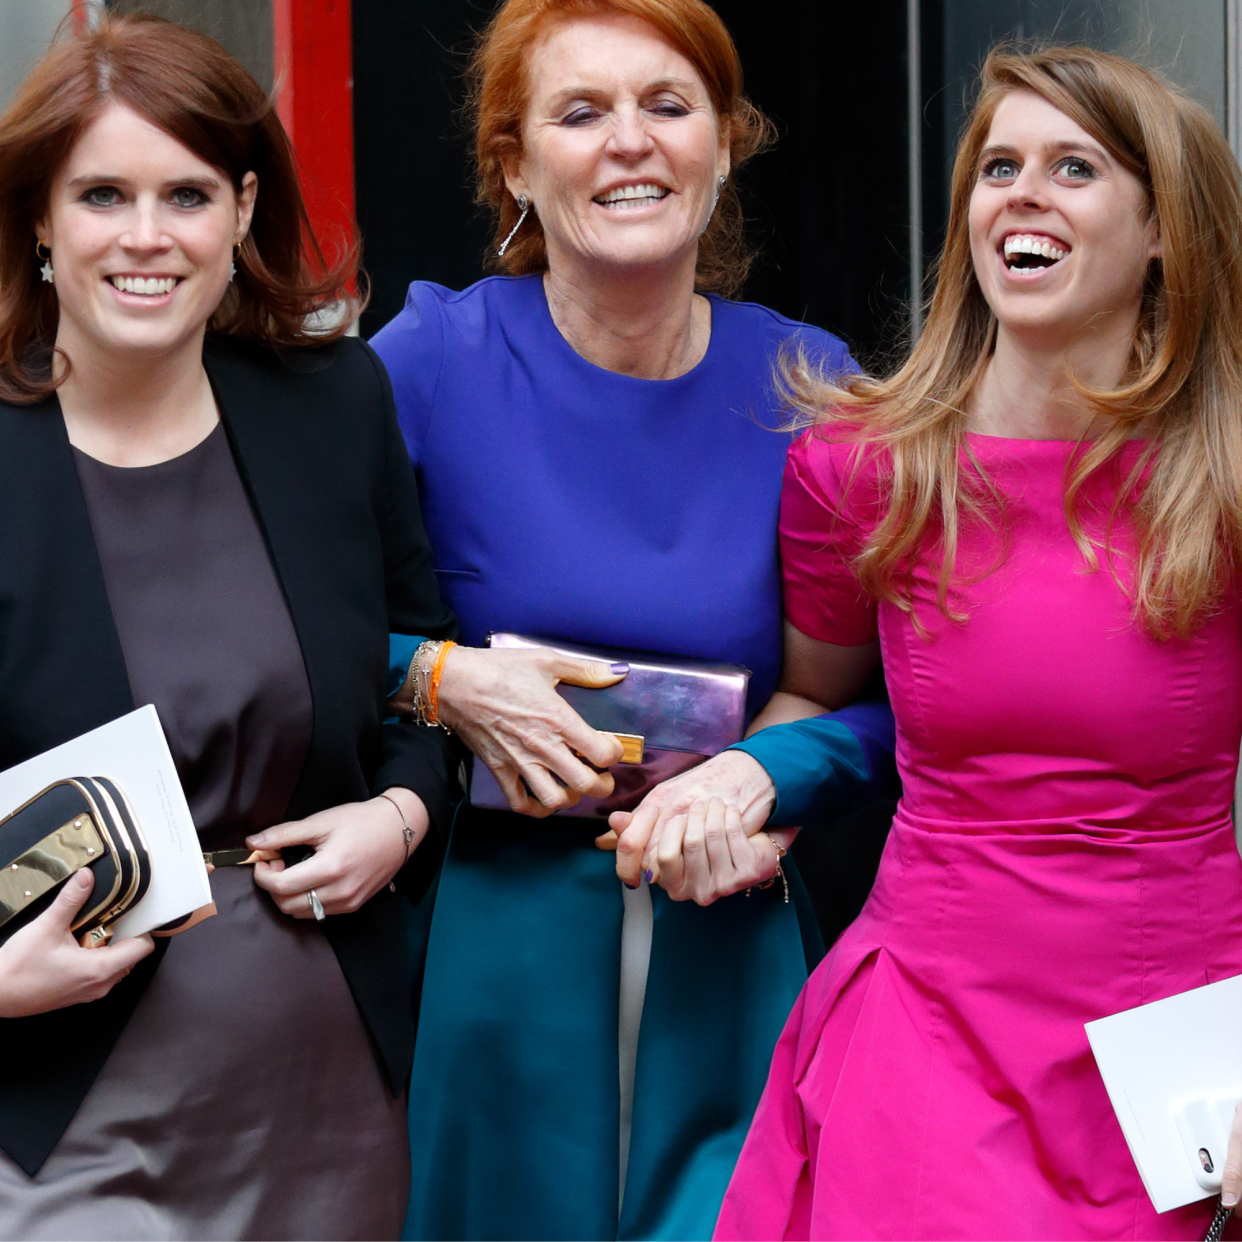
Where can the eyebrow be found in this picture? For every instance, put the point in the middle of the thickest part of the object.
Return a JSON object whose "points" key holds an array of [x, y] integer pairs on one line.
{"points": [[1050, 149], [197, 183], [562, 97]]}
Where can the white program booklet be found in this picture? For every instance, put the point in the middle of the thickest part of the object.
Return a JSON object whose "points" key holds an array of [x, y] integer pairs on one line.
{"points": [[132, 752], [1173, 1070]]}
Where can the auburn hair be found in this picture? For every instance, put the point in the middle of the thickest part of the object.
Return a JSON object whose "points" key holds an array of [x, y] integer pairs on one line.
{"points": [[1182, 391], [499, 94], [187, 85]]}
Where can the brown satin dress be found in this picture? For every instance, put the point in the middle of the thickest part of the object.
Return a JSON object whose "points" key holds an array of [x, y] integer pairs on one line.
{"points": [[243, 1099]]}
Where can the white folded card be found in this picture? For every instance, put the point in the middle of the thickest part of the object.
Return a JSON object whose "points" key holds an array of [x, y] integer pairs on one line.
{"points": [[133, 753], [1173, 1070]]}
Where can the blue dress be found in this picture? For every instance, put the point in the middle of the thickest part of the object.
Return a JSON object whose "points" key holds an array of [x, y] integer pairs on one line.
{"points": [[568, 501]]}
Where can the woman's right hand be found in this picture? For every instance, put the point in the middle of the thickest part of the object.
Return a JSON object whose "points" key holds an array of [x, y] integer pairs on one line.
{"points": [[42, 966], [504, 705]]}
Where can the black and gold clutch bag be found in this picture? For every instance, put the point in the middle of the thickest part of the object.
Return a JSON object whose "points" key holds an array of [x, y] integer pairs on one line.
{"points": [[82, 822]]}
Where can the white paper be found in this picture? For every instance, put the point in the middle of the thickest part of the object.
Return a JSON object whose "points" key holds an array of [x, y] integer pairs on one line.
{"points": [[1153, 1060], [132, 753]]}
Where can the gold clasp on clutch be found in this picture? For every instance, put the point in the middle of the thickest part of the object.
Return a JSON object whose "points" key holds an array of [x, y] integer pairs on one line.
{"points": [[45, 864], [631, 747]]}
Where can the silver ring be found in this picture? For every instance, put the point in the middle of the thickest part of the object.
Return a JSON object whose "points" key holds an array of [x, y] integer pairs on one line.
{"points": [[316, 906]]}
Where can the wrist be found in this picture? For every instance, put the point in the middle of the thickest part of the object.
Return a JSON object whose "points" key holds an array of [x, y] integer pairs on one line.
{"points": [[406, 811], [756, 789]]}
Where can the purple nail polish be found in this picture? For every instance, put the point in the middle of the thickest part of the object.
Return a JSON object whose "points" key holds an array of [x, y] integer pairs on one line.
{"points": [[620, 668], [628, 885], [647, 876]]}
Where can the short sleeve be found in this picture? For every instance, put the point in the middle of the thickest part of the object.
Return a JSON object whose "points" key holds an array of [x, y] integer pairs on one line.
{"points": [[819, 539], [412, 349]]}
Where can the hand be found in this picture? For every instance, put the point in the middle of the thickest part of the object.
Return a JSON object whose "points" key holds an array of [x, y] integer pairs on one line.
{"points": [[505, 707], [705, 854], [733, 776], [359, 847], [42, 967], [1231, 1177]]}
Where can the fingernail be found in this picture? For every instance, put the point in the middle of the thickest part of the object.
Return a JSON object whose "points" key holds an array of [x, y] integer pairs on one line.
{"points": [[1229, 1200], [257, 841], [620, 668], [628, 885], [83, 878], [647, 876]]}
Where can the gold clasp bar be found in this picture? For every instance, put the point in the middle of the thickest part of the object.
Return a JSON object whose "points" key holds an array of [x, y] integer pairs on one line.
{"points": [[631, 747], [239, 857], [45, 864]]}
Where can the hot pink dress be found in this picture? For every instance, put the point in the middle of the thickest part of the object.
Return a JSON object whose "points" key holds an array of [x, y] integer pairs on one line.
{"points": [[1063, 850]]}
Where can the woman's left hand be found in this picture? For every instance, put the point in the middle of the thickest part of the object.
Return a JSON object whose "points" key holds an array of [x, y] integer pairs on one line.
{"points": [[705, 853], [359, 847]]}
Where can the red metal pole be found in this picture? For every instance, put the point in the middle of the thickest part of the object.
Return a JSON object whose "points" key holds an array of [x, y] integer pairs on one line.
{"points": [[314, 78]]}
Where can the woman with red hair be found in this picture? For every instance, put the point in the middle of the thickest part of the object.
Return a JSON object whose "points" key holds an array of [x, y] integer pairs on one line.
{"points": [[589, 432], [207, 508]]}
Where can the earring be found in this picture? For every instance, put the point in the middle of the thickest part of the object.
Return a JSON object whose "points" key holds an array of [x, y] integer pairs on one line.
{"points": [[524, 203], [49, 276], [233, 265], [720, 185]]}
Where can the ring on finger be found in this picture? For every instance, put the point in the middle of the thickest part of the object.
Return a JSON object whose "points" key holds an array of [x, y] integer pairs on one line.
{"points": [[316, 906]]}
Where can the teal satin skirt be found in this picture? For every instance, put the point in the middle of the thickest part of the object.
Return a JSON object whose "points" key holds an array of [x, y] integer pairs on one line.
{"points": [[515, 1097]]}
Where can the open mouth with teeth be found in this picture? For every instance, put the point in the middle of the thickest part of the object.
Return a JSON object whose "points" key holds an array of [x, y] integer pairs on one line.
{"points": [[628, 197], [146, 286], [1026, 252]]}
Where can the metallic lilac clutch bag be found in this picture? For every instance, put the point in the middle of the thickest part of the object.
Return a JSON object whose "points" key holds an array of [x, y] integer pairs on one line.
{"points": [[670, 713]]}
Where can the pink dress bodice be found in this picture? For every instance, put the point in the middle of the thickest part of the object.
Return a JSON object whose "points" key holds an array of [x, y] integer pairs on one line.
{"points": [[1063, 850]]}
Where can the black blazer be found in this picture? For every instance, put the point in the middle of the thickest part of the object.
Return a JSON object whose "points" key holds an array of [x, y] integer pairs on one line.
{"points": [[315, 437]]}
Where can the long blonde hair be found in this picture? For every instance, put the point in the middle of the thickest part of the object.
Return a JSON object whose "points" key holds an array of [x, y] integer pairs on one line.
{"points": [[1183, 387]]}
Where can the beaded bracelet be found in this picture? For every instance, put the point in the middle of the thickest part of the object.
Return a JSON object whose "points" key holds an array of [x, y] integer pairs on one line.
{"points": [[425, 671]]}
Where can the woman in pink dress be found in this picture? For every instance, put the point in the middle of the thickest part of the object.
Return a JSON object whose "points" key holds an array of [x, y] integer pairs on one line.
{"points": [[1038, 521]]}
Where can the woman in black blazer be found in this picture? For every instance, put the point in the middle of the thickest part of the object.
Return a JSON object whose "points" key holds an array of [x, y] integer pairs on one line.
{"points": [[204, 507]]}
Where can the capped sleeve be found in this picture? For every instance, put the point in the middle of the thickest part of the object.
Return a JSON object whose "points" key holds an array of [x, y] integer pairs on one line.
{"points": [[820, 536]]}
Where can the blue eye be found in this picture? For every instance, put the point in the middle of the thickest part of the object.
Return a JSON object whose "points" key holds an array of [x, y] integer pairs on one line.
{"points": [[1000, 169], [102, 196], [1076, 169], [188, 196]]}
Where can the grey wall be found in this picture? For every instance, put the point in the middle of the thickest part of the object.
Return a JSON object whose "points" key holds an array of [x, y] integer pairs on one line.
{"points": [[1185, 38], [26, 30], [244, 27]]}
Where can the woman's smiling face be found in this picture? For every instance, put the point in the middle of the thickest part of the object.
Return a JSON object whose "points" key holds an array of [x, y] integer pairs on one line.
{"points": [[1060, 231], [622, 147], [141, 232]]}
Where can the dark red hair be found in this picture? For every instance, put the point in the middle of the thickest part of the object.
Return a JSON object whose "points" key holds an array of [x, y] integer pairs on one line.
{"points": [[500, 93], [190, 87]]}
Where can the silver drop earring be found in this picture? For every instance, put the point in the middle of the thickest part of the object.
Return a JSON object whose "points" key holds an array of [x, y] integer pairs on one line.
{"points": [[233, 265], [524, 203], [720, 185], [49, 276]]}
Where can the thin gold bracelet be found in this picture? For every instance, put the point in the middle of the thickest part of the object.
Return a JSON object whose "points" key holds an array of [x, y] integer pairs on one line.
{"points": [[781, 851]]}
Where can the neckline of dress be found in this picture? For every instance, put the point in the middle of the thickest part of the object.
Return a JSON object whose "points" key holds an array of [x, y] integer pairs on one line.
{"points": [[541, 297], [167, 463]]}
